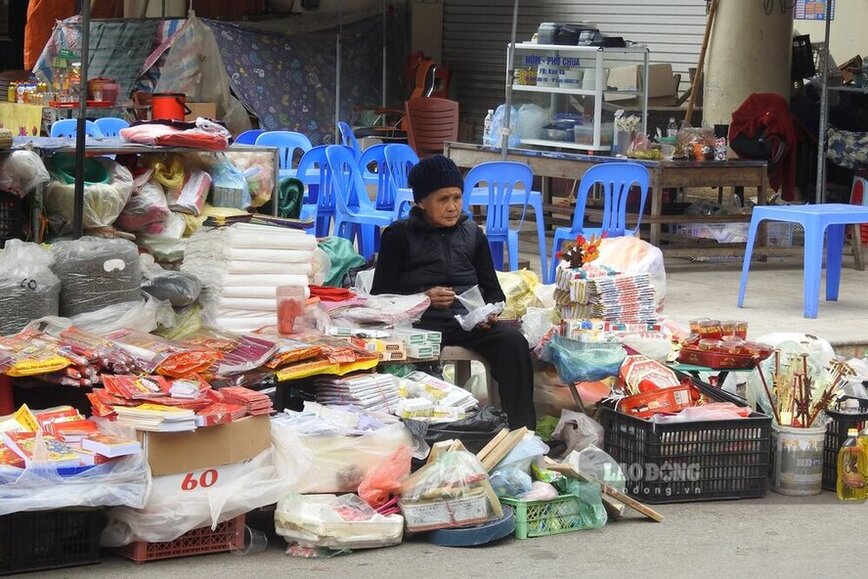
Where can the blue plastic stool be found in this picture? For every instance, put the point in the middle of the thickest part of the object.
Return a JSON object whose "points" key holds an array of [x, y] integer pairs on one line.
{"points": [[816, 220], [67, 128], [248, 137], [501, 179], [111, 126], [617, 178]]}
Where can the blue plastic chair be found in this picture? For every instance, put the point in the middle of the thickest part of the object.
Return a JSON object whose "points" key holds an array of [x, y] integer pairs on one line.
{"points": [[501, 179], [67, 128], [376, 171], [355, 213], [348, 138], [110, 126], [617, 179], [400, 159], [248, 137], [319, 202], [819, 221], [287, 142]]}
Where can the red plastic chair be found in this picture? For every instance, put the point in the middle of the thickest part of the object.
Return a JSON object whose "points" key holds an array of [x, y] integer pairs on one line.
{"points": [[430, 123]]}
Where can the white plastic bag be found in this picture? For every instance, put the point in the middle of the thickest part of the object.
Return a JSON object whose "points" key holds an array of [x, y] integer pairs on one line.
{"points": [[21, 172], [578, 431], [511, 477], [530, 120], [477, 310], [598, 465]]}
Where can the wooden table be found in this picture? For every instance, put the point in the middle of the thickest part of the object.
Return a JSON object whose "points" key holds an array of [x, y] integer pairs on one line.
{"points": [[664, 174]]}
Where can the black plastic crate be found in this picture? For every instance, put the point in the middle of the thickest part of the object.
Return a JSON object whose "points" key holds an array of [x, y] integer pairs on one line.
{"points": [[39, 540], [12, 217], [690, 461], [836, 433]]}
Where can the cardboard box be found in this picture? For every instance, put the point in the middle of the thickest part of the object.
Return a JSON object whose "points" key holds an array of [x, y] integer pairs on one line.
{"points": [[662, 84], [207, 110], [183, 452]]}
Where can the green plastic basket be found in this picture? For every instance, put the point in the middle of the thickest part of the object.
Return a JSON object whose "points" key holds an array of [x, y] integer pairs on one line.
{"points": [[543, 518]]}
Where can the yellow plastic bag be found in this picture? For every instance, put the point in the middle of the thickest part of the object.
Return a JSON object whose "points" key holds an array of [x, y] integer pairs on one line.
{"points": [[168, 171], [518, 287]]}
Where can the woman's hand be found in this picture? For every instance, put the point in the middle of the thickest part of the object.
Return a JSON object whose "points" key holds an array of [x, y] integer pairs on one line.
{"points": [[488, 323], [441, 297]]}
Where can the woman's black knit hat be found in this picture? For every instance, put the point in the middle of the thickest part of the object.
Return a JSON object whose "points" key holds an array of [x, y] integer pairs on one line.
{"points": [[433, 173]]}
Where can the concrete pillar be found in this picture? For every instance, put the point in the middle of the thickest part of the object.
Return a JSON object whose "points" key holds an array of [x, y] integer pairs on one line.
{"points": [[749, 51]]}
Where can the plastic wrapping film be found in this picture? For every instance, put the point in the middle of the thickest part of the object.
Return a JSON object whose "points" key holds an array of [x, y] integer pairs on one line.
{"points": [[21, 172], [28, 288], [125, 481], [96, 273]]}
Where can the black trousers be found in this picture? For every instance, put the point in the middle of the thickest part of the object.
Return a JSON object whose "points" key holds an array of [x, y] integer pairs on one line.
{"points": [[508, 355]]}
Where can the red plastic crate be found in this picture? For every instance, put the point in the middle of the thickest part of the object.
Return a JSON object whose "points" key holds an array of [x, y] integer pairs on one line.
{"points": [[228, 535]]}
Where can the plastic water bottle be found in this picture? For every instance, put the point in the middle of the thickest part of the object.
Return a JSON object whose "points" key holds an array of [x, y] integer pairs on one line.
{"points": [[851, 469], [672, 128], [487, 138]]}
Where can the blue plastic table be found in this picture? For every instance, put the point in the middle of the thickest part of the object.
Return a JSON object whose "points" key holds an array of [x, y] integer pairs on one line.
{"points": [[816, 220]]}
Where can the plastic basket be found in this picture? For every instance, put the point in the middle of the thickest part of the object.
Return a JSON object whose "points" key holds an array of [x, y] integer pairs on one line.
{"points": [[543, 518], [12, 218], [836, 434], [228, 535], [690, 461], [40, 540]]}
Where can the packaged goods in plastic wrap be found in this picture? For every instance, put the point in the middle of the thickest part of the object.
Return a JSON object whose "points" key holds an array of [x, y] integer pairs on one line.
{"points": [[341, 455], [103, 202], [96, 273], [205, 496], [190, 198], [146, 209], [28, 288], [335, 522]]}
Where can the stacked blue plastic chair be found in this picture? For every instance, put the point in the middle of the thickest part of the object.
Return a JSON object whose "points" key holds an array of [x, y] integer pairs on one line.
{"points": [[375, 170], [400, 159], [111, 126], [355, 213], [287, 142], [67, 128], [501, 178], [616, 179], [348, 138], [319, 202], [248, 137]]}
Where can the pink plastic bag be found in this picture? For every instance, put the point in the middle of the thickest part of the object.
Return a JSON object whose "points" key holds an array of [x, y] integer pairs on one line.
{"points": [[385, 479]]}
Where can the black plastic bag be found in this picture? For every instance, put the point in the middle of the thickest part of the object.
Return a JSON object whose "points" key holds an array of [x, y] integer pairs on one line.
{"points": [[474, 431]]}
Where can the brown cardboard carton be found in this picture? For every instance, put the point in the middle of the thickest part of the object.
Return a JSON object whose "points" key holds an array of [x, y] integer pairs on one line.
{"points": [[207, 110], [180, 452]]}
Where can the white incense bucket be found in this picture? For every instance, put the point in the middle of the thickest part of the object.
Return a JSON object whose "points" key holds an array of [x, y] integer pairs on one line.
{"points": [[797, 464]]}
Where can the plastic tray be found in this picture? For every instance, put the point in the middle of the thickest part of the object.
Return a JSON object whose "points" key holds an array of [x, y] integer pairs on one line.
{"points": [[543, 518], [715, 360], [228, 535], [40, 540], [836, 434]]}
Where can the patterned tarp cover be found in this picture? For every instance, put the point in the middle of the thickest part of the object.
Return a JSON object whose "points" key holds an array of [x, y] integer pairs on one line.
{"points": [[848, 149]]}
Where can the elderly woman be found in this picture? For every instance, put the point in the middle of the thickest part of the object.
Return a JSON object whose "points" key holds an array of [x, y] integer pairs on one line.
{"points": [[438, 251]]}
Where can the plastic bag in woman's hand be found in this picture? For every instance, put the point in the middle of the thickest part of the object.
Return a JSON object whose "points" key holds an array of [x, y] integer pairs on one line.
{"points": [[385, 479], [583, 362], [477, 310]]}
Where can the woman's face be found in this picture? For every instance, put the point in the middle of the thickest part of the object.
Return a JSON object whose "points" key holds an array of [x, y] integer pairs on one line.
{"points": [[442, 208]]}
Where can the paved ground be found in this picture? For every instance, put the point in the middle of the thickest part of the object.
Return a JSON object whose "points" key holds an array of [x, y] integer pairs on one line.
{"points": [[772, 537]]}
